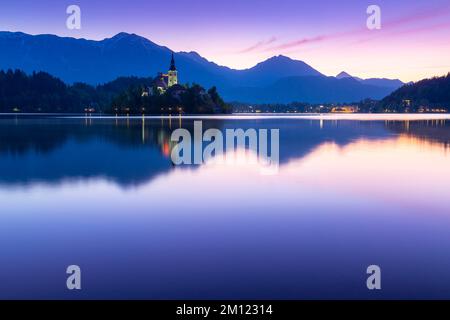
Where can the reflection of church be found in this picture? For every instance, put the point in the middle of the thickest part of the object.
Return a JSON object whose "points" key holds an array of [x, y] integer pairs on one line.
{"points": [[163, 81]]}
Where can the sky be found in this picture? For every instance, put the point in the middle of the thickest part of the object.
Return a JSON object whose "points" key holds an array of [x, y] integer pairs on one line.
{"points": [[413, 42]]}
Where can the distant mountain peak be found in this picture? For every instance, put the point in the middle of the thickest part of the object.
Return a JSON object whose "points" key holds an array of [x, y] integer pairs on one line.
{"points": [[125, 35], [10, 33], [193, 55], [343, 75], [286, 66], [121, 35], [123, 39], [280, 57]]}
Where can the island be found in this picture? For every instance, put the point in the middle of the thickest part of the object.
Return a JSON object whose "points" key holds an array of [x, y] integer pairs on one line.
{"points": [[41, 92]]}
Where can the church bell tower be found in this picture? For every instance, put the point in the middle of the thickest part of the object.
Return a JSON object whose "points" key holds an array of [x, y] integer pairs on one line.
{"points": [[172, 74]]}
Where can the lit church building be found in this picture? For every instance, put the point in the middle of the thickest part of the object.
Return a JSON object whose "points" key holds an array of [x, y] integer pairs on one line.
{"points": [[163, 81]]}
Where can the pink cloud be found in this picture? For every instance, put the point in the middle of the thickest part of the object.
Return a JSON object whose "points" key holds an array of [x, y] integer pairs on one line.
{"points": [[393, 33], [423, 15], [299, 42], [418, 16], [258, 45]]}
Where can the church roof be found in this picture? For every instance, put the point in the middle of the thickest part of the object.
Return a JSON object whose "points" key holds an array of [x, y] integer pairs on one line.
{"points": [[172, 64]]}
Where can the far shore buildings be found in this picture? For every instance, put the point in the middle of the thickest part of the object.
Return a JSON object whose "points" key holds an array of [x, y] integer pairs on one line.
{"points": [[344, 109]]}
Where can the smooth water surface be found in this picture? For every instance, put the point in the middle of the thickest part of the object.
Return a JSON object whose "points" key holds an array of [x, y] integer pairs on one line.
{"points": [[102, 193]]}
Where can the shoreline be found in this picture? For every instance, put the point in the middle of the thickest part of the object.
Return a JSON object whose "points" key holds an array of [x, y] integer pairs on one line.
{"points": [[252, 116]]}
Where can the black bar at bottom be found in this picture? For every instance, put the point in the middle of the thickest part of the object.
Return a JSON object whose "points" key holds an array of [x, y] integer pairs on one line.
{"points": [[222, 309]]}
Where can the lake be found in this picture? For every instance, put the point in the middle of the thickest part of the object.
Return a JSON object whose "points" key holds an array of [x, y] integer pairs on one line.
{"points": [[102, 193]]}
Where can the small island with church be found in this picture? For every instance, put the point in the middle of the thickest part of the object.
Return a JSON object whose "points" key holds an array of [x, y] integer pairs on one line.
{"points": [[41, 92], [164, 95]]}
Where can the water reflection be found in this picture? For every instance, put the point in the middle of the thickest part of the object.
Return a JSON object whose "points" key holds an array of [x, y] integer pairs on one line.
{"points": [[103, 194], [425, 130], [132, 151]]}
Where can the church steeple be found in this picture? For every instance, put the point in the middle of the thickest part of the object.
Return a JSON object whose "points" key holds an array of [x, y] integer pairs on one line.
{"points": [[172, 64], [172, 74]]}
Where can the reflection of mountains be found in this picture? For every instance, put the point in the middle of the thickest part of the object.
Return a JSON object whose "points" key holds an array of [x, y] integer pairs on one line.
{"points": [[435, 131], [52, 150], [133, 151]]}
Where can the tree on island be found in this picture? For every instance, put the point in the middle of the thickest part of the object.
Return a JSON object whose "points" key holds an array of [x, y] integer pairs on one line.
{"points": [[191, 99], [41, 92]]}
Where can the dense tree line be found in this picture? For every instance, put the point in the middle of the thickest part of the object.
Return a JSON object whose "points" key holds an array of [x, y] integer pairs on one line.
{"points": [[41, 92], [35, 93], [428, 93], [178, 99]]}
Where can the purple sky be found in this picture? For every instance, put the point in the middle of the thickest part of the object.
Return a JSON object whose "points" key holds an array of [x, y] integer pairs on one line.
{"points": [[413, 43]]}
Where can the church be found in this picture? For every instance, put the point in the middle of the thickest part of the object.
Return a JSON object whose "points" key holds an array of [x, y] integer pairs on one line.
{"points": [[163, 81]]}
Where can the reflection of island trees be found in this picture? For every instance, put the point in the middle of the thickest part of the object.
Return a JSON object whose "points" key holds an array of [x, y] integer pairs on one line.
{"points": [[436, 131], [52, 150], [126, 150], [22, 135], [132, 151]]}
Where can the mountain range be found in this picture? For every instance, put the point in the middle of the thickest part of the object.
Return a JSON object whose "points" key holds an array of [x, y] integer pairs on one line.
{"points": [[276, 80], [380, 82]]}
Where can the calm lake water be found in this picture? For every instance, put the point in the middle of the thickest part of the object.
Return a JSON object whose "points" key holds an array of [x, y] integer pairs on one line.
{"points": [[102, 193]]}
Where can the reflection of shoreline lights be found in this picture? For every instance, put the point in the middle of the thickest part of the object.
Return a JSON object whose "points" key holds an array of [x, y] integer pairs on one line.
{"points": [[166, 149], [311, 116], [423, 130], [165, 143], [428, 122], [143, 130], [424, 143]]}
